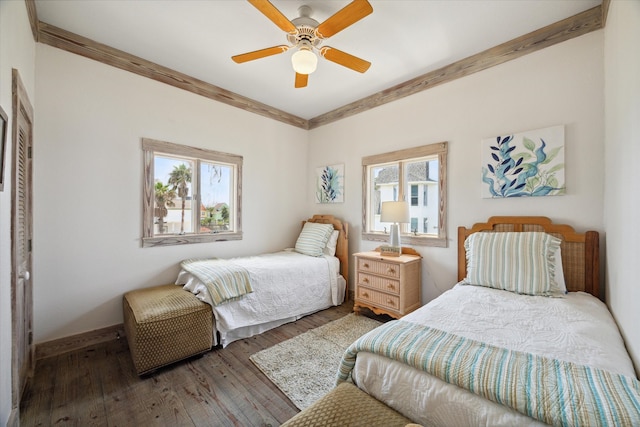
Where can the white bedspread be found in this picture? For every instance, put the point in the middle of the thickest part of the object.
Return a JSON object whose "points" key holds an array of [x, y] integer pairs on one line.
{"points": [[286, 286], [577, 328]]}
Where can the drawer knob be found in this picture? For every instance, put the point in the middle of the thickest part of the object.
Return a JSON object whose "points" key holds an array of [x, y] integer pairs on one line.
{"points": [[390, 301], [365, 280], [391, 286], [391, 270], [365, 265], [366, 295]]}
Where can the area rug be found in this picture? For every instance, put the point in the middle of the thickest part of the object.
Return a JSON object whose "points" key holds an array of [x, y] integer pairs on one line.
{"points": [[305, 367]]}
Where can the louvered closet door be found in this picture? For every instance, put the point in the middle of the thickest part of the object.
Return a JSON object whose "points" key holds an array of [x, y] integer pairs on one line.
{"points": [[23, 254], [23, 355]]}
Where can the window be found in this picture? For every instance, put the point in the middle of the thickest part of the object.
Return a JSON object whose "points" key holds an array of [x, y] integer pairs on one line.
{"points": [[414, 225], [407, 175], [191, 195], [414, 195]]}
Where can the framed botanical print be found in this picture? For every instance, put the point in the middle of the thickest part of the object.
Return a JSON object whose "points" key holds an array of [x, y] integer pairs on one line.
{"points": [[330, 184], [525, 164]]}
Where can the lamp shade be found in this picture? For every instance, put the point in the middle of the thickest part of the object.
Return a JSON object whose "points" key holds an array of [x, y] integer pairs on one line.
{"points": [[395, 212], [304, 61]]}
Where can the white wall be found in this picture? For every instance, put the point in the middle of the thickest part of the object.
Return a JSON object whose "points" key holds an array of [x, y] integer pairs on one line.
{"points": [[562, 84], [17, 50], [88, 186], [622, 151]]}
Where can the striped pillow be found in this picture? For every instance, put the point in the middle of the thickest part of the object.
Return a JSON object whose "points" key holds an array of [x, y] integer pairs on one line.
{"points": [[523, 263], [313, 238]]}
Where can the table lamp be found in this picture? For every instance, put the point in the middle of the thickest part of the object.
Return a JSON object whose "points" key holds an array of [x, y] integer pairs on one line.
{"points": [[395, 212]]}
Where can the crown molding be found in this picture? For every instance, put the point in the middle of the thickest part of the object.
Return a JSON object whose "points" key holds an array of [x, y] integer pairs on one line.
{"points": [[574, 26], [74, 43]]}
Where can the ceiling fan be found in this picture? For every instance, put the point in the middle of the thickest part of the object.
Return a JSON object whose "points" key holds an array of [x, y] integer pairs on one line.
{"points": [[305, 34]]}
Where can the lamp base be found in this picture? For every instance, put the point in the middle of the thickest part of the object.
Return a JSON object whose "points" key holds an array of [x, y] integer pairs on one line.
{"points": [[394, 239]]}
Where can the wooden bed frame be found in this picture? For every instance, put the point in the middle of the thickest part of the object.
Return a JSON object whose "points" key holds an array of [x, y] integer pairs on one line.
{"points": [[342, 249], [580, 251]]}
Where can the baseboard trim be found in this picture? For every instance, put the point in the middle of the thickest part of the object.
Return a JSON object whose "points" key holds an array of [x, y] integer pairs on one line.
{"points": [[79, 341]]}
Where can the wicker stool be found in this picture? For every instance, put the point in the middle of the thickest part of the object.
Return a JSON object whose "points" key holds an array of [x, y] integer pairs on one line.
{"points": [[165, 324], [347, 405]]}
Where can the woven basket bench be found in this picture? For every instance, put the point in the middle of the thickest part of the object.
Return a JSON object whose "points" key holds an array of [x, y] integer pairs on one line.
{"points": [[347, 405], [165, 324]]}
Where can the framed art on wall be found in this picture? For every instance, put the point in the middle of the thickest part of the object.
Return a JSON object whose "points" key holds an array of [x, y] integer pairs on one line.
{"points": [[525, 164], [330, 184], [3, 143]]}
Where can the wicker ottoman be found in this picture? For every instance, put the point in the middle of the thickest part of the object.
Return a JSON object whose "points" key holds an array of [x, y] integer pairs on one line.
{"points": [[347, 405], [165, 324]]}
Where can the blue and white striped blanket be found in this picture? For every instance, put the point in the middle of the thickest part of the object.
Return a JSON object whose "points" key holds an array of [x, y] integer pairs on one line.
{"points": [[225, 280], [551, 391]]}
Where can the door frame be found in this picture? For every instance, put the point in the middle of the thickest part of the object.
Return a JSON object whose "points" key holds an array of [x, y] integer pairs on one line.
{"points": [[21, 105]]}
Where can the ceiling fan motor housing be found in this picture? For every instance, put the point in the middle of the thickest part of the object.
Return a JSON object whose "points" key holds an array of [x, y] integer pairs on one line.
{"points": [[305, 28], [304, 32]]}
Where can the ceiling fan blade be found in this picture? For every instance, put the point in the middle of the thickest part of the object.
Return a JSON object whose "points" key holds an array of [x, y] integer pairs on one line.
{"points": [[257, 54], [301, 80], [345, 59], [348, 15], [271, 12]]}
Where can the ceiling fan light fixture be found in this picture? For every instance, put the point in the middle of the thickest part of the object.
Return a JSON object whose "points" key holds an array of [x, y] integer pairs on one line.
{"points": [[304, 61]]}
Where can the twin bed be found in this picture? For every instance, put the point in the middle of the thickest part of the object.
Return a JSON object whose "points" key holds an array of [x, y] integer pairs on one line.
{"points": [[258, 293], [503, 347]]}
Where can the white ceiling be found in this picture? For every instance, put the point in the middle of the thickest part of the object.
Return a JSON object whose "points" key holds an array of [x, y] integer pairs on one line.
{"points": [[402, 40]]}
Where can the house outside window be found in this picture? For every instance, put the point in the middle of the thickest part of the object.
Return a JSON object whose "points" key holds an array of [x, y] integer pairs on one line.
{"points": [[416, 175], [192, 195]]}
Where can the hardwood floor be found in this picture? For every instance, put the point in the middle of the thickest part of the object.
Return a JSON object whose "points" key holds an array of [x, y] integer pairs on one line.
{"points": [[98, 386]]}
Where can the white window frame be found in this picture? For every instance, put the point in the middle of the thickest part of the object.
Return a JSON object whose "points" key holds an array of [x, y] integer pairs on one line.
{"points": [[402, 157], [151, 148]]}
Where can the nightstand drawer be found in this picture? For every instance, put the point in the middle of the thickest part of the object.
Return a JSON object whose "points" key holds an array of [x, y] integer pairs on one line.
{"points": [[378, 298], [380, 283], [379, 267]]}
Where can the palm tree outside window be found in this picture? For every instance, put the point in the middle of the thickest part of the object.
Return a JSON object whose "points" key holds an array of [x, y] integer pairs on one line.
{"points": [[164, 196], [180, 180]]}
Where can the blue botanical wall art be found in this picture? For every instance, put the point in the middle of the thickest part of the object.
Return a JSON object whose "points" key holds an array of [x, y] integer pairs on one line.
{"points": [[330, 184], [524, 164]]}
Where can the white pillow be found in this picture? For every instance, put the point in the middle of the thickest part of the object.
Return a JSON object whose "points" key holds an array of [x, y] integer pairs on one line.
{"points": [[313, 238], [520, 262], [332, 243]]}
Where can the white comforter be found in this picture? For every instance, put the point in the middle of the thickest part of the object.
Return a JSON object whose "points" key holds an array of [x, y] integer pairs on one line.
{"points": [[576, 328], [286, 286]]}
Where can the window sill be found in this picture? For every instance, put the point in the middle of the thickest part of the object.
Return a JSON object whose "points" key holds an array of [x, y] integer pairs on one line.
{"points": [[409, 239], [186, 239]]}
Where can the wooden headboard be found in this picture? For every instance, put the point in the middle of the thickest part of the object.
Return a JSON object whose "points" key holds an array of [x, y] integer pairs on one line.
{"points": [[342, 249], [580, 251]]}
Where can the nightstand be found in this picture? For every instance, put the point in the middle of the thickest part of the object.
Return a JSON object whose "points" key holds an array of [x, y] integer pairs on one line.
{"points": [[389, 285]]}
